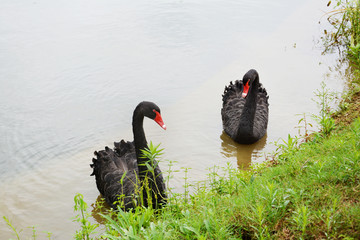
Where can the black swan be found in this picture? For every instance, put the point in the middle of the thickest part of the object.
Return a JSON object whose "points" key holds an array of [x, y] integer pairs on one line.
{"points": [[245, 109], [122, 175]]}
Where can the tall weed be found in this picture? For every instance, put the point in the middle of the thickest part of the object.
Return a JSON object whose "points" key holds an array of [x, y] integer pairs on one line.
{"points": [[87, 228], [324, 99]]}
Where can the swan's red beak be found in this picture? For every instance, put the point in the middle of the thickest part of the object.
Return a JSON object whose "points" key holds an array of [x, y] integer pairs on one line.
{"points": [[159, 120], [245, 90]]}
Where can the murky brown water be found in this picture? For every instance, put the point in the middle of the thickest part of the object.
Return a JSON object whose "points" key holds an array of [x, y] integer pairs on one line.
{"points": [[71, 73]]}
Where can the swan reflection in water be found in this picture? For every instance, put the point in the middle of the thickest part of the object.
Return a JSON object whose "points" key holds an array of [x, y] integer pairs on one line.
{"points": [[242, 152], [99, 207]]}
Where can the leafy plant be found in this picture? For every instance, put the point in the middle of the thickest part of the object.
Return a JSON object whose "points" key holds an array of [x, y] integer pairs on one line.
{"points": [[301, 218], [306, 127], [324, 98], [329, 216], [17, 233], [286, 148], [83, 218], [128, 225], [186, 185], [12, 227], [259, 221], [149, 185]]}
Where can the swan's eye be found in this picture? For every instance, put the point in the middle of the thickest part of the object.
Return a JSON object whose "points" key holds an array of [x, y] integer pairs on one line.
{"points": [[156, 112]]}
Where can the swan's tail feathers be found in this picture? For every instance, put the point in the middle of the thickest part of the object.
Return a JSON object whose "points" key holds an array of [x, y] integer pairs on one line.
{"points": [[101, 157], [103, 164], [263, 91], [94, 163], [93, 166]]}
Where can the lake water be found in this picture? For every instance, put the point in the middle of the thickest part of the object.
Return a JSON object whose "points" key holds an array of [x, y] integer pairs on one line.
{"points": [[71, 73]]}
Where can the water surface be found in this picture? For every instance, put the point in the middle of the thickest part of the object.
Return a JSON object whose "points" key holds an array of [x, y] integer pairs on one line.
{"points": [[71, 73]]}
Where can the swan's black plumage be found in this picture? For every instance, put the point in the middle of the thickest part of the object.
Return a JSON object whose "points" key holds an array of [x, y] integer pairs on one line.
{"points": [[245, 120], [122, 170]]}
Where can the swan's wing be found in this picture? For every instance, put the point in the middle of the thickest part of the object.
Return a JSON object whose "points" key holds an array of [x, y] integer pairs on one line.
{"points": [[114, 178], [121, 188], [262, 113], [233, 105]]}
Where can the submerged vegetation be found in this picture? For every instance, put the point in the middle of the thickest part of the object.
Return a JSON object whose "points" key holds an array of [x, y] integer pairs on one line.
{"points": [[344, 32], [308, 189]]}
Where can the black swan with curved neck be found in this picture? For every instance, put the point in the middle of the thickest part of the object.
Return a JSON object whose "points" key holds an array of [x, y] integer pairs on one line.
{"points": [[245, 109], [122, 176]]}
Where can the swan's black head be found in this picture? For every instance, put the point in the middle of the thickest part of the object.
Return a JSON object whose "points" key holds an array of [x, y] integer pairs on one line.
{"points": [[248, 79], [152, 111]]}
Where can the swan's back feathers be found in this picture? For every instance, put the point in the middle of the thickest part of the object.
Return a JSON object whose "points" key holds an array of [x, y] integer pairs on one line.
{"points": [[233, 106]]}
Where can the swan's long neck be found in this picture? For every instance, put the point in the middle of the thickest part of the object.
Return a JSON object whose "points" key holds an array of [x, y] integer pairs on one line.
{"points": [[157, 193], [139, 140], [246, 123]]}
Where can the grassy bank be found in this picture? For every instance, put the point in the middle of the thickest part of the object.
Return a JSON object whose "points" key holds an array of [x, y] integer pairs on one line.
{"points": [[309, 192]]}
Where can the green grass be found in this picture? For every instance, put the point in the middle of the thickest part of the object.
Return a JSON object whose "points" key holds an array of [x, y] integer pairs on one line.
{"points": [[311, 192]]}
